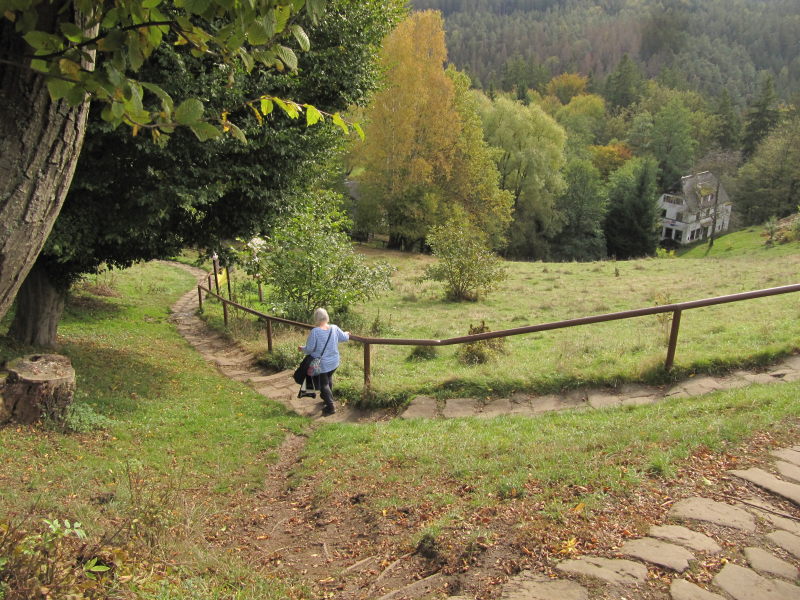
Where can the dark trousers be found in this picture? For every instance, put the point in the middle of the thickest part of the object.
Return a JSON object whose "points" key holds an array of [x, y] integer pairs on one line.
{"points": [[325, 386]]}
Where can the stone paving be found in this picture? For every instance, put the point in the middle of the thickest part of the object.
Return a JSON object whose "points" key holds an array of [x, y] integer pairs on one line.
{"points": [[766, 568]]}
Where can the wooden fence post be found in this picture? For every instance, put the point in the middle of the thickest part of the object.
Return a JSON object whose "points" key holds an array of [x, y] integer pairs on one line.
{"points": [[269, 336], [225, 311], [260, 293], [673, 340], [367, 368], [200, 297], [215, 262], [228, 279]]}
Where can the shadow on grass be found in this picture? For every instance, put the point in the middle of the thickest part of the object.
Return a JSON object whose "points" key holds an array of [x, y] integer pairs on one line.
{"points": [[117, 381], [83, 307]]}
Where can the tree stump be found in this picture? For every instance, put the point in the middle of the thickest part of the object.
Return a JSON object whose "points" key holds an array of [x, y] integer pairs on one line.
{"points": [[37, 386]]}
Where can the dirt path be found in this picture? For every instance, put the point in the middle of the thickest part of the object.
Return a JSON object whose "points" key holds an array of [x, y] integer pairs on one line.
{"points": [[343, 551]]}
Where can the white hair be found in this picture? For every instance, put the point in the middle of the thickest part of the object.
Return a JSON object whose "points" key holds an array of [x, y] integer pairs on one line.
{"points": [[321, 316]]}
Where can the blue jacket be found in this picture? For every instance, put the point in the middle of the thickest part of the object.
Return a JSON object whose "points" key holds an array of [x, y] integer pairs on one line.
{"points": [[316, 342]]}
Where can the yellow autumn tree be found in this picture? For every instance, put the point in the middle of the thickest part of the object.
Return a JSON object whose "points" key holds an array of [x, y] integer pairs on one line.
{"points": [[566, 86], [413, 169]]}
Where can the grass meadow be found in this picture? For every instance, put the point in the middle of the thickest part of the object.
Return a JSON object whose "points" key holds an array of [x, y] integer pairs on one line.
{"points": [[712, 340]]}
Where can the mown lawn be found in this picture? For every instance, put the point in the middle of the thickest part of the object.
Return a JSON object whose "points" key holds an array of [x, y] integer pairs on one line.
{"points": [[711, 339], [177, 440]]}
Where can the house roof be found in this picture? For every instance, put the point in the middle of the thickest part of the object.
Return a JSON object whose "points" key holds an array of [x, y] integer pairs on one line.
{"points": [[702, 185]]}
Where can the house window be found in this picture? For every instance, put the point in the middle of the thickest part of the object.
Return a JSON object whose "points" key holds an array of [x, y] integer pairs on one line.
{"points": [[667, 233], [678, 235], [664, 213]]}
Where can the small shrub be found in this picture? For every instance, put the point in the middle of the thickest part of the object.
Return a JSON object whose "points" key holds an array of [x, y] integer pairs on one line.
{"points": [[481, 351], [465, 265], [45, 561], [421, 353], [664, 253], [309, 260], [770, 231], [428, 547], [82, 418]]}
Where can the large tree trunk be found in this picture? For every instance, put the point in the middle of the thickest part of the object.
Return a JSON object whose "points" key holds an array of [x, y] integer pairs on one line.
{"points": [[40, 303], [39, 146]]}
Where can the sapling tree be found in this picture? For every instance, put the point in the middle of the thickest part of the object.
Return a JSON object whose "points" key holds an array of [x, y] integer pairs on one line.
{"points": [[466, 265], [308, 261]]}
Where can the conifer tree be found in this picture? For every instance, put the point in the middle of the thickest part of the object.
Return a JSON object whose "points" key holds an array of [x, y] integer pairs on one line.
{"points": [[762, 117], [630, 225], [624, 84], [729, 135]]}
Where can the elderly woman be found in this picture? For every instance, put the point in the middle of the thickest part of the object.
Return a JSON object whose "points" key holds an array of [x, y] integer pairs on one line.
{"points": [[323, 343]]}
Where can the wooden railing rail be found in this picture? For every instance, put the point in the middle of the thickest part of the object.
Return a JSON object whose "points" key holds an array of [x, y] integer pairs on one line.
{"points": [[676, 309]]}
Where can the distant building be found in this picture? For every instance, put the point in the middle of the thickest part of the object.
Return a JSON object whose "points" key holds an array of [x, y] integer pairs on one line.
{"points": [[689, 216]]}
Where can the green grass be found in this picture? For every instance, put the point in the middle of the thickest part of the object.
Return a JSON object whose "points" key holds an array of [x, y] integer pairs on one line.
{"points": [[712, 340], [182, 438], [747, 242], [541, 459]]}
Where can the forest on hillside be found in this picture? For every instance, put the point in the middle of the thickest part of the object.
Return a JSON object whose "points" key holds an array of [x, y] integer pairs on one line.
{"points": [[703, 45], [564, 164]]}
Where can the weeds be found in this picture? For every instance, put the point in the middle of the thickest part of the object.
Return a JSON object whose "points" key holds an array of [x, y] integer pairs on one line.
{"points": [[282, 357], [82, 418], [423, 353], [481, 351]]}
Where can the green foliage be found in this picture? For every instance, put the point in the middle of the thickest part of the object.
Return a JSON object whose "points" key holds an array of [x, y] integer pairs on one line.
{"points": [[624, 85], [309, 262], [202, 194], [762, 117], [283, 356], [421, 353], [530, 158], [672, 143], [125, 35], [466, 266], [770, 180], [631, 221], [46, 560], [584, 205]]}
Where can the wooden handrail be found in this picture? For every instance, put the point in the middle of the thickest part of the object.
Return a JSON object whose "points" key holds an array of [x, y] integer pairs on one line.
{"points": [[675, 308]]}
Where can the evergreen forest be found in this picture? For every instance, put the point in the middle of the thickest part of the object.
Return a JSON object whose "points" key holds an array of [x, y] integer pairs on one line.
{"points": [[706, 45]]}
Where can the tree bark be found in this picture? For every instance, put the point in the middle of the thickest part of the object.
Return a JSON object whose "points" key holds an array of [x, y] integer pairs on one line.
{"points": [[38, 386], [40, 141], [40, 303]]}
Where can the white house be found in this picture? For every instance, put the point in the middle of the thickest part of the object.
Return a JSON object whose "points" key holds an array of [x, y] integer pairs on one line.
{"points": [[690, 216]]}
